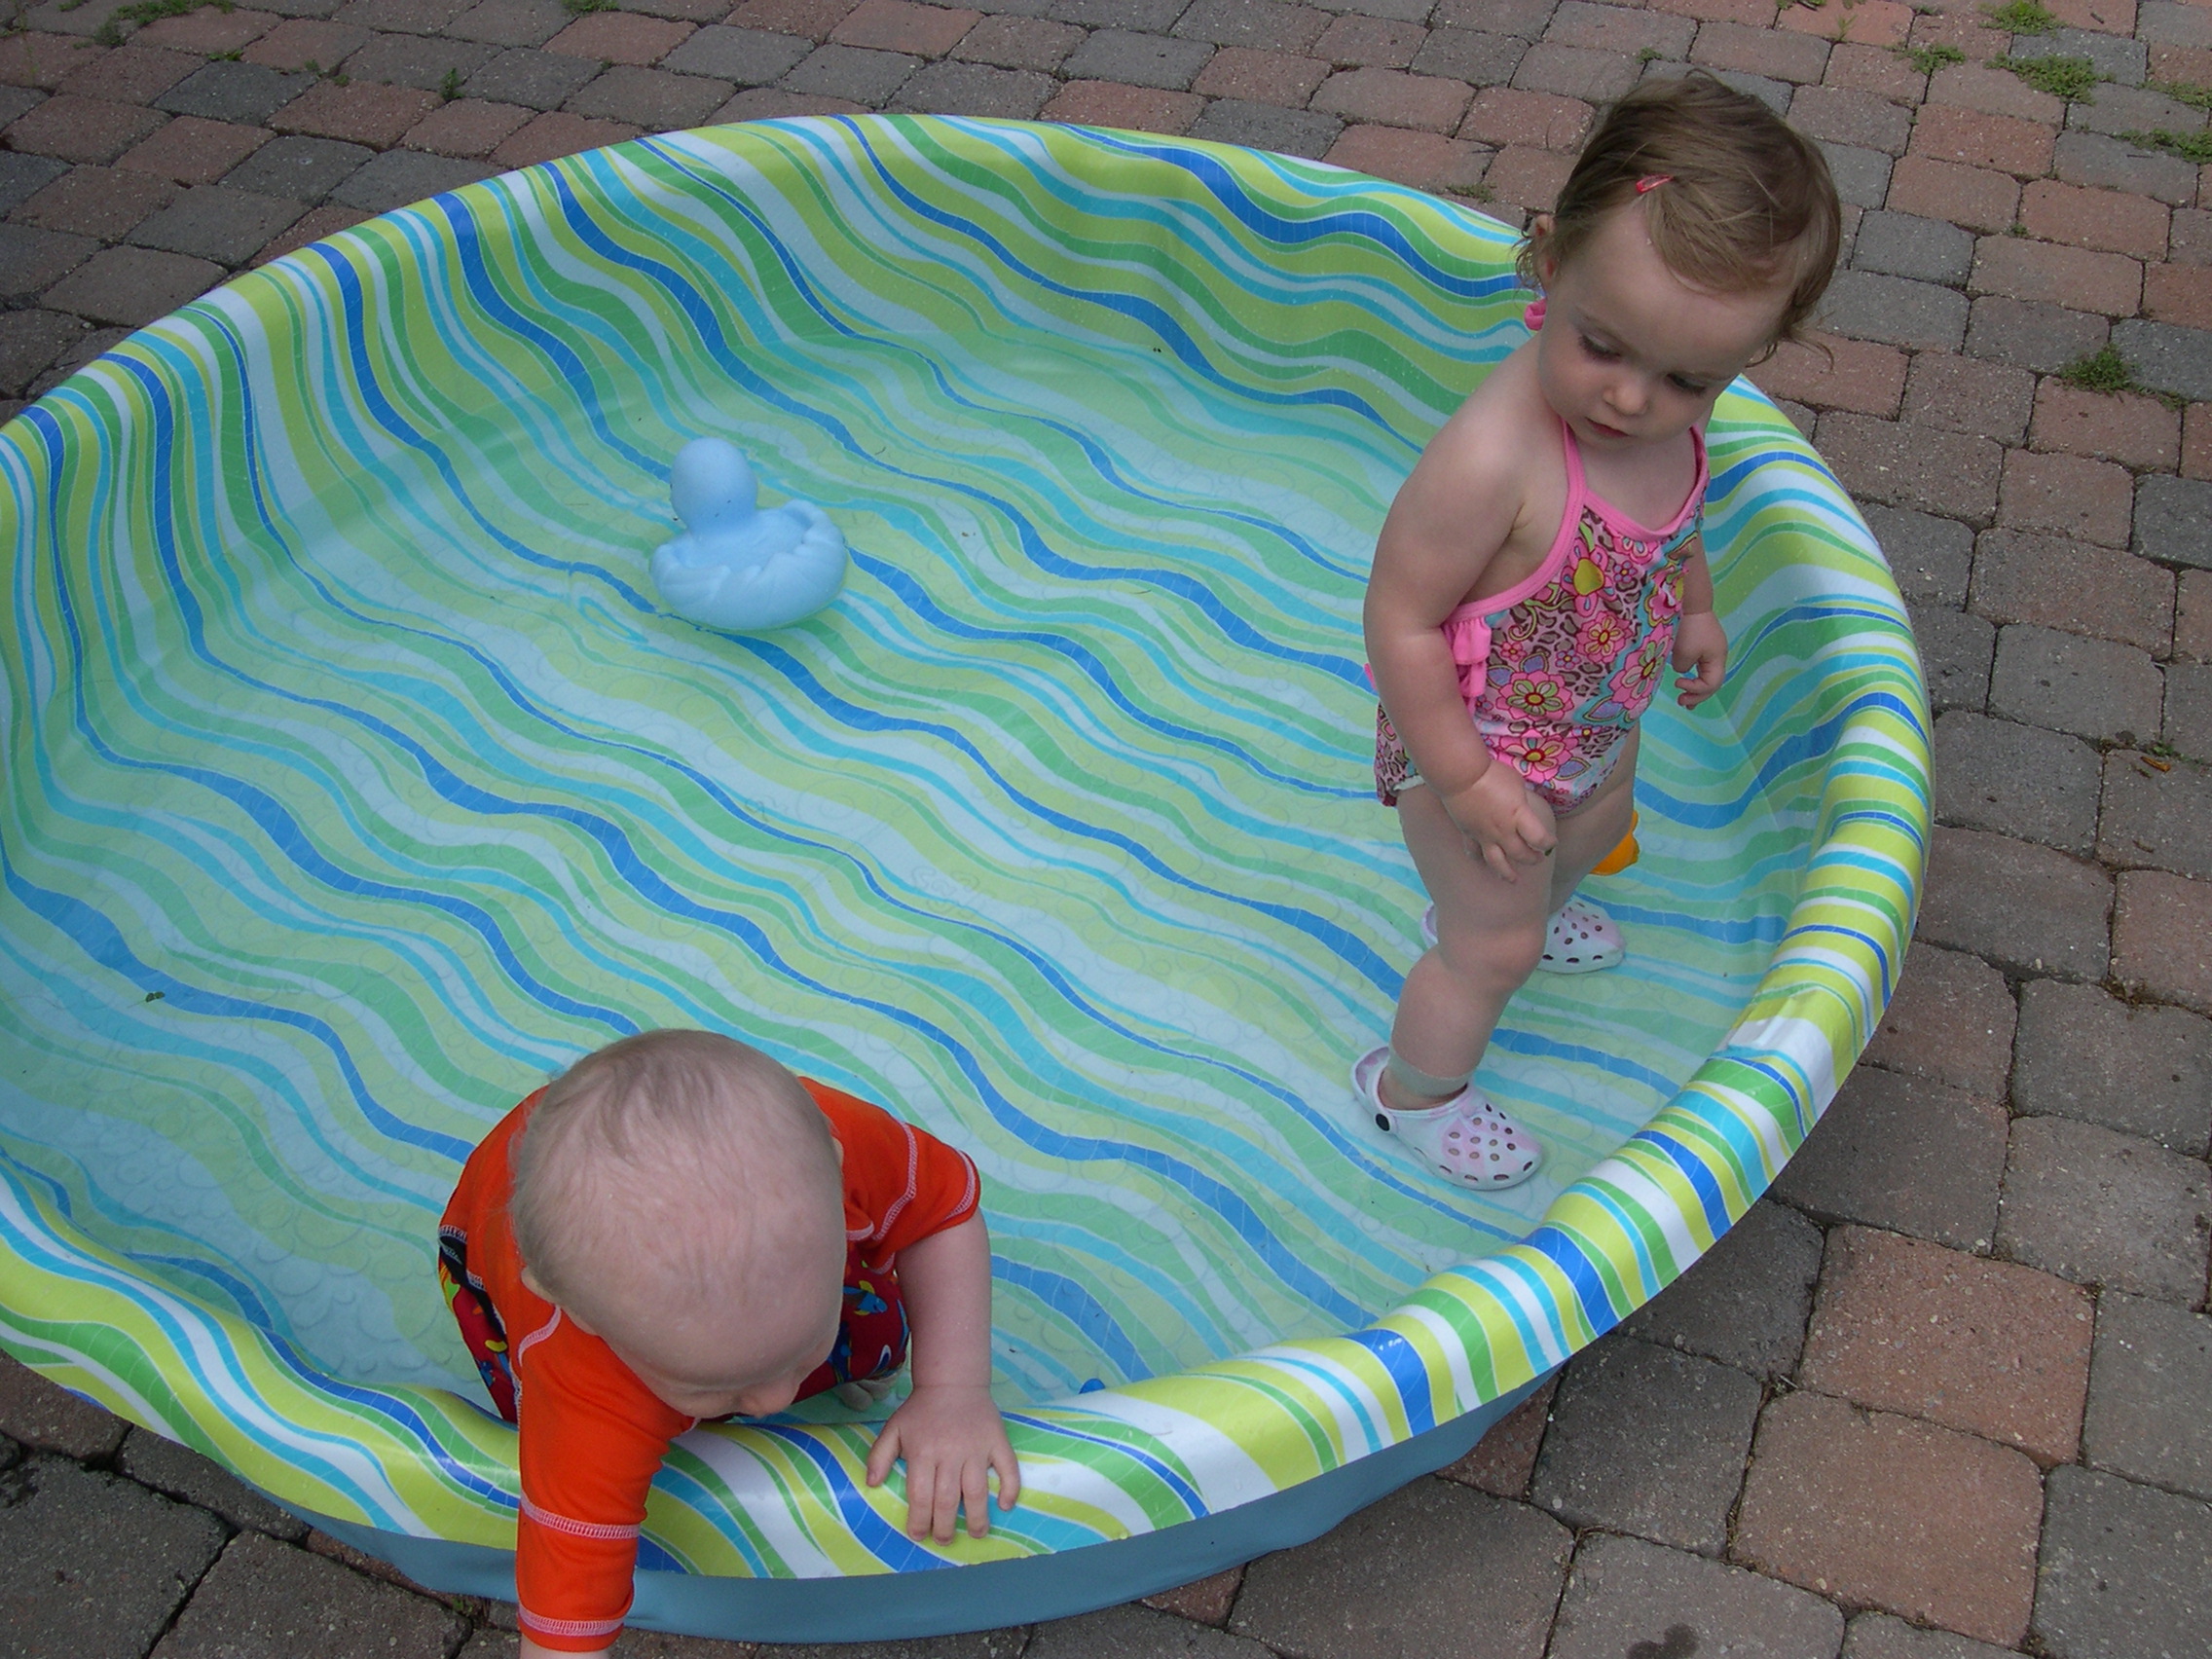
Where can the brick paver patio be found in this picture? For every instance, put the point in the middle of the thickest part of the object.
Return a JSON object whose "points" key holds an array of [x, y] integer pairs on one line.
{"points": [[1948, 1392]]}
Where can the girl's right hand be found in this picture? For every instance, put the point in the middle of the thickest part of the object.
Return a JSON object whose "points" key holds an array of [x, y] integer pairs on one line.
{"points": [[1498, 815]]}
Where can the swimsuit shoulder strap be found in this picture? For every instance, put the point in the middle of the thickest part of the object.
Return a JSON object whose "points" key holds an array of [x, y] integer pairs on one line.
{"points": [[1570, 517], [1576, 487]]}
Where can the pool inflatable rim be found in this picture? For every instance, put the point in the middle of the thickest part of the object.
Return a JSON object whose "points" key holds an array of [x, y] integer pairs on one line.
{"points": [[1472, 1335], [1026, 1590]]}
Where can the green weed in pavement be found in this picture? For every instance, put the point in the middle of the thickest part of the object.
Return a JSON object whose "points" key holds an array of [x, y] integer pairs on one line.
{"points": [[1930, 59], [2074, 79], [2021, 17], [2102, 370]]}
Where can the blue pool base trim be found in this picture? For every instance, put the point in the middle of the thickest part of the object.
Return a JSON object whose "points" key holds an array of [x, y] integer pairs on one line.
{"points": [[885, 1606]]}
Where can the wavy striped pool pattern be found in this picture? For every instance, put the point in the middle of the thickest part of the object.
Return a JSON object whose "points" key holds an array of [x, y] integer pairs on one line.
{"points": [[354, 782]]}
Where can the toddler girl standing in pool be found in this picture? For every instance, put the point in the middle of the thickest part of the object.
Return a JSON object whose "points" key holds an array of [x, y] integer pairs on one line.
{"points": [[1541, 566]]}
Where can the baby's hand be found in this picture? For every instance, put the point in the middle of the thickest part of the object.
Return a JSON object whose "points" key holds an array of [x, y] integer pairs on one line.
{"points": [[1701, 657], [1497, 815], [951, 1438]]}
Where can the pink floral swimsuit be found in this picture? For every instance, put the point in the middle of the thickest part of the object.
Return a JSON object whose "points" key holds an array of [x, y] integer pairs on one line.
{"points": [[1557, 669]]}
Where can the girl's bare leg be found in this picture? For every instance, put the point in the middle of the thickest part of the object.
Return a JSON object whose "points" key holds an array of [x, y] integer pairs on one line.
{"points": [[1596, 827], [1490, 932]]}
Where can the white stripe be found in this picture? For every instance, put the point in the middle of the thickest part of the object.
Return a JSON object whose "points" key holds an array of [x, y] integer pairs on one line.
{"points": [[602, 1532]]}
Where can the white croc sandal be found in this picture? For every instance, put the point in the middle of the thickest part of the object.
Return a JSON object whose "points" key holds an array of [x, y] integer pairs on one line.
{"points": [[1580, 939], [1466, 1139]]}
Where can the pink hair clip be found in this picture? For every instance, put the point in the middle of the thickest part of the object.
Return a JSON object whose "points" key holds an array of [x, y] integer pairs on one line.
{"points": [[1652, 181]]}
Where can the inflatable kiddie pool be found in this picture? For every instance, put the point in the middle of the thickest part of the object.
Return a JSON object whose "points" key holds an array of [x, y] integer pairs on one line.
{"points": [[356, 781]]}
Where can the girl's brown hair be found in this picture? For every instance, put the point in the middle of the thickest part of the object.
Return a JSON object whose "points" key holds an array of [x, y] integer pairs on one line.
{"points": [[1743, 200]]}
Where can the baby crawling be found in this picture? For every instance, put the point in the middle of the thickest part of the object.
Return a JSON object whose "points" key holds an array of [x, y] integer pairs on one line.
{"points": [[676, 1228]]}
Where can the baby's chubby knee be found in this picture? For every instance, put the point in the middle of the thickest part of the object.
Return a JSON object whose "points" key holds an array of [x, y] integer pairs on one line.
{"points": [[1493, 960]]}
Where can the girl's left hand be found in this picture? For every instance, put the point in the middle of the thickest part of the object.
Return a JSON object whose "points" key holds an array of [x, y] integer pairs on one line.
{"points": [[1701, 657], [951, 1438]]}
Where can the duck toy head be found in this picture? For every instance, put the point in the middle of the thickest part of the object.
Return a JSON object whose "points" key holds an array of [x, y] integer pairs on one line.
{"points": [[737, 567]]}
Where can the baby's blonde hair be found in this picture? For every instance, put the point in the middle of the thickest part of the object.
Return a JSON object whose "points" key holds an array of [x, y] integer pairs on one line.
{"points": [[690, 1147], [1743, 202]]}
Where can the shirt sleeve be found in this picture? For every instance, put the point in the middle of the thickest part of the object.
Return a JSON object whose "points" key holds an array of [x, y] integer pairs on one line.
{"points": [[901, 1183], [941, 1191], [592, 1439]]}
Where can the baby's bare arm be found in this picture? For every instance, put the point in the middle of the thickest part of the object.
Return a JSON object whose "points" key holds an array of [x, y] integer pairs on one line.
{"points": [[1466, 504], [948, 1430], [1701, 643], [1450, 518], [1697, 578]]}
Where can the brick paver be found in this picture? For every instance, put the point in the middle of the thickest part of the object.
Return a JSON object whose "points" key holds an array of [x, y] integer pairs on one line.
{"points": [[1838, 373], [2029, 1129], [43, 1415], [2073, 586], [757, 58], [1931, 557], [1626, 1596], [1885, 1635], [2100, 1207], [181, 1473], [312, 44], [1392, 1579], [2157, 817], [95, 1558], [534, 78], [619, 37], [262, 1598], [2100, 689], [1505, 1461], [134, 74], [2144, 1069], [2170, 521], [132, 285], [1134, 1632], [897, 25], [216, 222], [95, 201], [2066, 495], [1903, 1153], [1744, 1302], [2122, 1575], [2162, 938], [193, 150], [1998, 1351], [2148, 1386], [1952, 1018], [1648, 1441], [2018, 780], [224, 91], [2024, 909], [1206, 1602], [1903, 245], [74, 128], [549, 137], [1888, 1512], [357, 113], [466, 127], [30, 340]]}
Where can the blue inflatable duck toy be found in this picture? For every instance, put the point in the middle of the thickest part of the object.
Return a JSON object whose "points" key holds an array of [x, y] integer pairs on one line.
{"points": [[736, 567]]}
